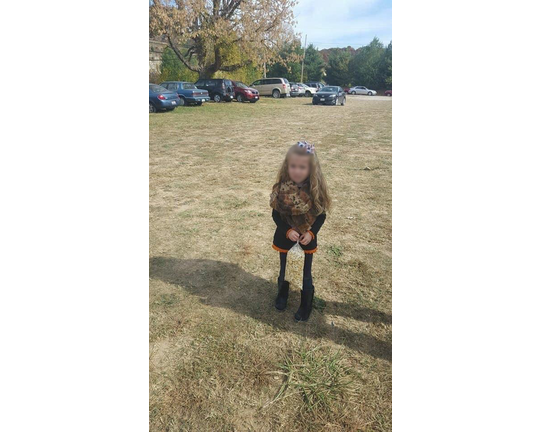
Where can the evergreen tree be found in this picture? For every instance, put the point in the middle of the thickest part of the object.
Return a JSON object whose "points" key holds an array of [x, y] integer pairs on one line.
{"points": [[289, 65], [365, 67], [313, 65], [386, 66], [337, 71]]}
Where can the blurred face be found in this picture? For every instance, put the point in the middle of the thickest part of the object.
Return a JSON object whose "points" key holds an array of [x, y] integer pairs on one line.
{"points": [[298, 167]]}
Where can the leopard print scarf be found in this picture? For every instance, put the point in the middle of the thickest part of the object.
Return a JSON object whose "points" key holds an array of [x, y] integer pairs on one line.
{"points": [[294, 205]]}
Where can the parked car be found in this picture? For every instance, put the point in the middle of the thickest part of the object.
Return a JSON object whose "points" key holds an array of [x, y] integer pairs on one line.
{"points": [[317, 84], [297, 89], [330, 95], [346, 89], [162, 99], [187, 92], [310, 91], [244, 93], [219, 89], [388, 93], [361, 90], [275, 87]]}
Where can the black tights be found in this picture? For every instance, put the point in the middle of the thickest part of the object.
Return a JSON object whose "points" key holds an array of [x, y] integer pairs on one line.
{"points": [[282, 265], [308, 261]]}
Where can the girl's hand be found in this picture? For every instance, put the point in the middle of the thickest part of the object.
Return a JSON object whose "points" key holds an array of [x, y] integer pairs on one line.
{"points": [[293, 235], [306, 238]]}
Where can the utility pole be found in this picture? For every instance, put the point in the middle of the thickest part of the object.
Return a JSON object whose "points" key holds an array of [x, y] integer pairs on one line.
{"points": [[303, 58]]}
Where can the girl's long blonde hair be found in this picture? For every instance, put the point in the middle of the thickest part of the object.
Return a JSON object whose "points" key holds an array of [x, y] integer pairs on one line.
{"points": [[317, 184]]}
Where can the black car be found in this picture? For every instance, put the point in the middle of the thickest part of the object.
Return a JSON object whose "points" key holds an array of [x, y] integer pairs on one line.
{"points": [[218, 88], [329, 95]]}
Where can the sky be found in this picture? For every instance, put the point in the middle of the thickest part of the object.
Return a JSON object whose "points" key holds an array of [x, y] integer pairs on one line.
{"points": [[340, 23]]}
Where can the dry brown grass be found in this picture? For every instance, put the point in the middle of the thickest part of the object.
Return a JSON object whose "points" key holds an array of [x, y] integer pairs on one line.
{"points": [[220, 353]]}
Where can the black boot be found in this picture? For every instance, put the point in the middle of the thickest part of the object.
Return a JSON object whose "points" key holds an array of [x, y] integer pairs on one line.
{"points": [[306, 303], [282, 296]]}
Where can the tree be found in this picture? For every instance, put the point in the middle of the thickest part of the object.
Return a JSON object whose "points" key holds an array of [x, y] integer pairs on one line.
{"points": [[365, 67], [223, 35], [289, 66], [337, 71], [172, 69], [313, 65], [386, 65]]}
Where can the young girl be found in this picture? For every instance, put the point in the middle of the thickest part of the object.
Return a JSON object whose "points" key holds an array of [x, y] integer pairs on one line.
{"points": [[300, 201]]}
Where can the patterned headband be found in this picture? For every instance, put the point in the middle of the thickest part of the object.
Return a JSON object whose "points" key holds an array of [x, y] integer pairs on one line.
{"points": [[310, 148]]}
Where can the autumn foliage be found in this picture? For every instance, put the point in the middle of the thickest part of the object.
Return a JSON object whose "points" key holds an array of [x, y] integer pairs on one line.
{"points": [[223, 35]]}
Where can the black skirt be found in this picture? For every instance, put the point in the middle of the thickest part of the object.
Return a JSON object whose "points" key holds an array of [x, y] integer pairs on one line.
{"points": [[283, 244]]}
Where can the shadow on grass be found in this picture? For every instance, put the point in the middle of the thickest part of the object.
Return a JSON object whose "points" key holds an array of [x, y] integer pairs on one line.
{"points": [[360, 314], [226, 285]]}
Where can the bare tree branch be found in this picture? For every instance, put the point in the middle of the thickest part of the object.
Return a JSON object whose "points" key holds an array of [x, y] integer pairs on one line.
{"points": [[232, 10], [181, 57]]}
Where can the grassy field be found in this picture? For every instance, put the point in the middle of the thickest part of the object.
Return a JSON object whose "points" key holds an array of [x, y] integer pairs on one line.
{"points": [[221, 357]]}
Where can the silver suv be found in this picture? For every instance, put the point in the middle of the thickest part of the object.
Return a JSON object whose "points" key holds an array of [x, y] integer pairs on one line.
{"points": [[275, 87]]}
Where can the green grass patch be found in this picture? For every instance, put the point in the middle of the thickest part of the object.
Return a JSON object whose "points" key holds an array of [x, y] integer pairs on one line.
{"points": [[320, 378], [335, 251]]}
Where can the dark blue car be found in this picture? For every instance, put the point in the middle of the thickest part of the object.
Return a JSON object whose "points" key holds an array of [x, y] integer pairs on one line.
{"points": [[188, 93], [162, 99]]}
